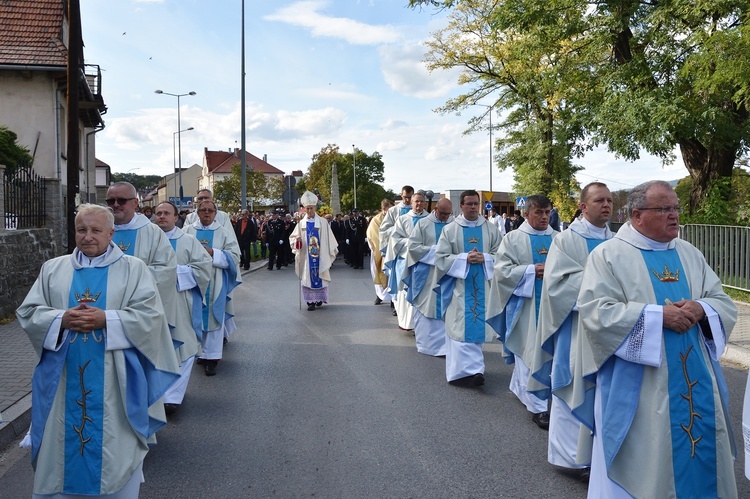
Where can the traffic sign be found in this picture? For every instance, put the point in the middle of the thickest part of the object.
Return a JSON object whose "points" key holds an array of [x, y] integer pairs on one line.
{"points": [[488, 206], [521, 202], [488, 195]]}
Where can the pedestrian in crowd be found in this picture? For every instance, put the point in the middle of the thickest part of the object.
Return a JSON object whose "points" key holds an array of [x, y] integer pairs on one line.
{"points": [[379, 279], [103, 393], [246, 233], [262, 237], [465, 266], [337, 226], [181, 219], [519, 269], [654, 320], [148, 212], [275, 234], [315, 249], [419, 276], [576, 216], [554, 219], [218, 309], [395, 259], [194, 271], [136, 236], [551, 366], [289, 225], [517, 220], [356, 232], [496, 219], [508, 222]]}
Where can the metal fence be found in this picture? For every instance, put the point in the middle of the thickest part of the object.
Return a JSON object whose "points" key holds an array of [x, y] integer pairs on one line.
{"points": [[726, 249], [24, 199]]}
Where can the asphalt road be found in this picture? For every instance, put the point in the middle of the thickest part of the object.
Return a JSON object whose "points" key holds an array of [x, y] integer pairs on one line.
{"points": [[337, 403]]}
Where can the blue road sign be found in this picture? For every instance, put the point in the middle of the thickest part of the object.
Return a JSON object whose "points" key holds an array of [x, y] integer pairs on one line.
{"points": [[488, 206], [521, 202]]}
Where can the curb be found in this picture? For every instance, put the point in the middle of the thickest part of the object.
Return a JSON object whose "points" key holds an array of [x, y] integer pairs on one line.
{"points": [[17, 418]]}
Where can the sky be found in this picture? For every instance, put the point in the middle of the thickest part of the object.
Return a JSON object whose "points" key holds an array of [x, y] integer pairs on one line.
{"points": [[318, 72]]}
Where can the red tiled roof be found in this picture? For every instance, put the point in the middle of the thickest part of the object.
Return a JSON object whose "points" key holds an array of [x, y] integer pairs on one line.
{"points": [[222, 162], [31, 32]]}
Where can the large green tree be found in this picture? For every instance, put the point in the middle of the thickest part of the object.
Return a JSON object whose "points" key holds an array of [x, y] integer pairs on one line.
{"points": [[228, 191], [369, 171], [639, 75]]}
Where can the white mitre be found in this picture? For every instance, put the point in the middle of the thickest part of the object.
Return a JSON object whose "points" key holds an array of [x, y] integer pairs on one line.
{"points": [[308, 199]]}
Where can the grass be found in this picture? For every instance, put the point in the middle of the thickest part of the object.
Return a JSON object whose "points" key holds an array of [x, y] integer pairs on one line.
{"points": [[7, 320], [737, 295]]}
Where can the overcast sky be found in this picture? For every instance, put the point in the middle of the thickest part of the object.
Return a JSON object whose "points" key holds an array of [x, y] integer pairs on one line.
{"points": [[345, 72]]}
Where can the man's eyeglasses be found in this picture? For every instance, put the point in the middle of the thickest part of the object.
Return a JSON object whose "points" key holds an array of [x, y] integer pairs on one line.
{"points": [[206, 210], [120, 201], [664, 209], [471, 204]]}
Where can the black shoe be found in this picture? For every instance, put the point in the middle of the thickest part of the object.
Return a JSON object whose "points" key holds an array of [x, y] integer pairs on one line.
{"points": [[469, 381], [270, 268], [318, 303], [170, 409], [392, 305], [246, 267], [199, 361], [210, 367], [541, 419], [226, 340], [310, 307], [394, 313], [585, 475], [378, 301]]}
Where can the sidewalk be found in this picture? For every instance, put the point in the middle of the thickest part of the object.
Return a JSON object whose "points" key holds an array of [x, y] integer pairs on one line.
{"points": [[17, 361]]}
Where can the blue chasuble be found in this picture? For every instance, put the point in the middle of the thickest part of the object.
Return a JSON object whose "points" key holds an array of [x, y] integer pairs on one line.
{"points": [[313, 255], [474, 289], [417, 279], [539, 249]]}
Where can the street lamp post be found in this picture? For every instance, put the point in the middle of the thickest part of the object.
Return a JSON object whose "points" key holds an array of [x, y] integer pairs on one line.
{"points": [[179, 142], [489, 112], [354, 167], [174, 160]]}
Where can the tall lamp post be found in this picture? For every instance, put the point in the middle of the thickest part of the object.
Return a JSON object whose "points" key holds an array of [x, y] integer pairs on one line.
{"points": [[489, 112], [174, 160], [179, 142], [354, 167]]}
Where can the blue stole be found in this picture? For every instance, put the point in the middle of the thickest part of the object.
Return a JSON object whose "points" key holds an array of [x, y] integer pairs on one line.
{"points": [[539, 249], [474, 329], [556, 372], [404, 210], [173, 242], [313, 255], [417, 278], [125, 240], [691, 399], [206, 238]]}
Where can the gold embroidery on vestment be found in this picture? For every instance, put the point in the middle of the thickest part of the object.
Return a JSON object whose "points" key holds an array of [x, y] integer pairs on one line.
{"points": [[689, 397]]}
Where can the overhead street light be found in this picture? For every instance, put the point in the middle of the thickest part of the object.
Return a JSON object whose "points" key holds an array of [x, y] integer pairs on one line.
{"points": [[179, 144], [174, 160]]}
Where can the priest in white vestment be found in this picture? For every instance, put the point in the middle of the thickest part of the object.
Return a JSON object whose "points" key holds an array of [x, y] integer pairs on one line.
{"points": [[379, 279], [222, 217], [395, 259], [105, 359], [389, 219], [315, 248], [419, 277], [136, 236], [654, 320], [569, 444], [519, 269], [218, 310], [465, 266], [194, 271]]}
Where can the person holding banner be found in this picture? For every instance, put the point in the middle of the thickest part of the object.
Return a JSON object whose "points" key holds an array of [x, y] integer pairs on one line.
{"points": [[315, 248]]}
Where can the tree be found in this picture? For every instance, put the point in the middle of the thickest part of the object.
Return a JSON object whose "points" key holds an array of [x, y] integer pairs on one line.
{"points": [[141, 183], [655, 75], [228, 191], [524, 83], [12, 154], [369, 169]]}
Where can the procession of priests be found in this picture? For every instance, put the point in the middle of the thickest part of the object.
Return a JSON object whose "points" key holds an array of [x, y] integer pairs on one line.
{"points": [[614, 338]]}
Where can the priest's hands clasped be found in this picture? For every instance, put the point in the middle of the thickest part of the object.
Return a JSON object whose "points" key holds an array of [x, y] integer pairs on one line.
{"points": [[682, 315], [84, 319]]}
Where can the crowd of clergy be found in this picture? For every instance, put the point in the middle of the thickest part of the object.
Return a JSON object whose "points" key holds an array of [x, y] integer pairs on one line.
{"points": [[614, 338]]}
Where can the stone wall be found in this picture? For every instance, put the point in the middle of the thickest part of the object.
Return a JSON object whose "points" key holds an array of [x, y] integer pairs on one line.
{"points": [[22, 253]]}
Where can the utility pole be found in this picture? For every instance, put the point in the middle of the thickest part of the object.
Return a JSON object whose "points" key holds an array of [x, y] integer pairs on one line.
{"points": [[75, 50]]}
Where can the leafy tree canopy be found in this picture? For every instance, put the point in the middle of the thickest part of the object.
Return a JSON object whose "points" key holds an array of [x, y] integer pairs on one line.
{"points": [[12, 154], [142, 183], [228, 191]]}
